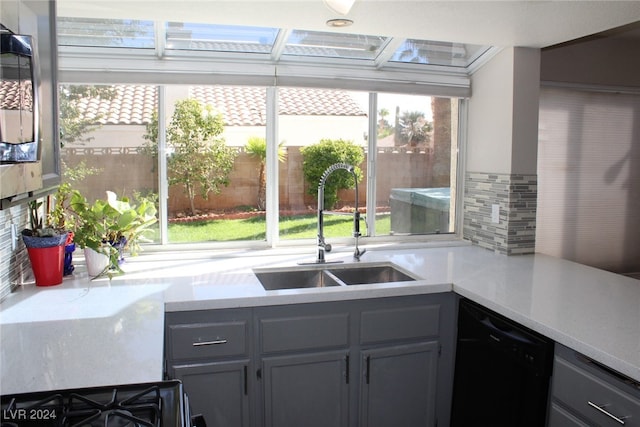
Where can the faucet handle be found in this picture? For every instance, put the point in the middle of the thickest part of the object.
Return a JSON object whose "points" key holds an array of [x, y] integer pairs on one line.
{"points": [[356, 224]]}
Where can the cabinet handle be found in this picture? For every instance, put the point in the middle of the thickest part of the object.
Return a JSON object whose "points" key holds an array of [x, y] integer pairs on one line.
{"points": [[605, 412], [368, 372], [215, 342], [246, 380], [347, 368]]}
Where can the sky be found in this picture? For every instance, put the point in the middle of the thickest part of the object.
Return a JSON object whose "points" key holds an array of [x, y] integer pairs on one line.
{"points": [[390, 101]]}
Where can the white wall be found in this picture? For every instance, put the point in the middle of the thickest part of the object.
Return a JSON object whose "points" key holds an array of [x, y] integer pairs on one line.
{"points": [[503, 113], [490, 119], [526, 97]]}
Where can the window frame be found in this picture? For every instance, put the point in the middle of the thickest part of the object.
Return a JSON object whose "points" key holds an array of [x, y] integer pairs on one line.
{"points": [[304, 75]]}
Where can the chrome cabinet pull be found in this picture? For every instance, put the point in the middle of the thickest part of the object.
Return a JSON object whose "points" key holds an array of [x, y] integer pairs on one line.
{"points": [[607, 413], [215, 342]]}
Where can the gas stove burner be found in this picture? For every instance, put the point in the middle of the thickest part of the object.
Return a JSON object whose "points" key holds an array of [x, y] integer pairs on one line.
{"points": [[114, 418], [142, 405], [142, 409]]}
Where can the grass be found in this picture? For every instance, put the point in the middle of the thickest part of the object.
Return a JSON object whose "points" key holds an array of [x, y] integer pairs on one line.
{"points": [[293, 227]]}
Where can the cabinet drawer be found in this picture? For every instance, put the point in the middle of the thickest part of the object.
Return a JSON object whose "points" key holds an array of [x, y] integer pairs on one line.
{"points": [[401, 323], [592, 398], [208, 340], [305, 332]]}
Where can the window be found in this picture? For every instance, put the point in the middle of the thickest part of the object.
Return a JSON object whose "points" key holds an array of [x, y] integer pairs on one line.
{"points": [[405, 138], [334, 45], [235, 209], [437, 53], [219, 38], [102, 130], [416, 157], [122, 33], [413, 155], [269, 45], [308, 117]]}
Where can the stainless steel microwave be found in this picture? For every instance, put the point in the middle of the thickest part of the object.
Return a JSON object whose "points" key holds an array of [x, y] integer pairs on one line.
{"points": [[19, 123]]}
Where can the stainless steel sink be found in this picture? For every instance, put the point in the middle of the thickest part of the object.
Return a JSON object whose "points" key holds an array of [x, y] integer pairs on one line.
{"points": [[364, 275], [295, 279], [325, 275]]}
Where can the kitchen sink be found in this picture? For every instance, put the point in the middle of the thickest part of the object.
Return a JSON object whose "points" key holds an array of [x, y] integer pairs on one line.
{"points": [[328, 275], [363, 275], [295, 279]]}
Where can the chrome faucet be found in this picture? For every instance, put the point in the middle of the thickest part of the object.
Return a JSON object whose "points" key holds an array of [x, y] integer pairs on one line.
{"points": [[322, 245]]}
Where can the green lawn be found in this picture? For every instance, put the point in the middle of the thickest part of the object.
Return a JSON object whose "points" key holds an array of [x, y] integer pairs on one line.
{"points": [[294, 227]]}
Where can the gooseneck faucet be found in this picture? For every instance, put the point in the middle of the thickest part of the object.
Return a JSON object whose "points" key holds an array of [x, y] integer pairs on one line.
{"points": [[322, 245]]}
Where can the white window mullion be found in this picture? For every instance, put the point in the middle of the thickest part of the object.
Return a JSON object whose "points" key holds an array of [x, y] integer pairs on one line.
{"points": [[163, 183], [272, 202], [371, 165]]}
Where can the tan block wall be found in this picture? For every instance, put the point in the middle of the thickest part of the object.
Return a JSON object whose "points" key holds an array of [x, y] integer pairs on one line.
{"points": [[129, 171]]}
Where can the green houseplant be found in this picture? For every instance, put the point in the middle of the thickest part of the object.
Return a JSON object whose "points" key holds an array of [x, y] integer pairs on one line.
{"points": [[110, 226], [45, 245]]}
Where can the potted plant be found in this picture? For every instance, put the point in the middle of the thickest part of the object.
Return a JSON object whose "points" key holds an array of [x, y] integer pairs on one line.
{"points": [[61, 219], [107, 227], [45, 246]]}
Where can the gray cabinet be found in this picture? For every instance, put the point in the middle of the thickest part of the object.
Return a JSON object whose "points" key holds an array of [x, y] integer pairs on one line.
{"points": [[400, 356], [398, 385], [217, 390], [585, 393], [373, 362], [307, 389], [210, 352], [304, 353]]}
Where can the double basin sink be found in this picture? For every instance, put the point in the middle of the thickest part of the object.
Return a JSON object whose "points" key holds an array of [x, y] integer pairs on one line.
{"points": [[329, 275]]}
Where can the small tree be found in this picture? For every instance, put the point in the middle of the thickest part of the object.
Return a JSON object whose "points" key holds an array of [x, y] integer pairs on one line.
{"points": [[257, 147], [200, 161], [318, 157]]}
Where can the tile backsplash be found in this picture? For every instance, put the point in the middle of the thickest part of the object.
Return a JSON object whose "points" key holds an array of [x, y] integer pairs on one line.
{"points": [[13, 263], [516, 196]]}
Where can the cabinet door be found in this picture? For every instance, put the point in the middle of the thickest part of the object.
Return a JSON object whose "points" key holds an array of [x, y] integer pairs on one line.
{"points": [[309, 390], [558, 417], [218, 391], [398, 385]]}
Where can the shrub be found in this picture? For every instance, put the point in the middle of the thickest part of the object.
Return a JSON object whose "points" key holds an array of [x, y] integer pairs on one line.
{"points": [[318, 157]]}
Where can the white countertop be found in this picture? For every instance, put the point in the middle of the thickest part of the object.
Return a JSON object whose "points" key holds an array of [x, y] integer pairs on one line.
{"points": [[90, 333]]}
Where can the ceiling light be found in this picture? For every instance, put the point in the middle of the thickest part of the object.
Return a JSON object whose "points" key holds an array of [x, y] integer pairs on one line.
{"points": [[339, 22], [340, 6]]}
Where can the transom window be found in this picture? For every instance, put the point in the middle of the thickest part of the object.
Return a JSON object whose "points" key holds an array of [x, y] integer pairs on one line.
{"points": [[272, 44], [281, 97]]}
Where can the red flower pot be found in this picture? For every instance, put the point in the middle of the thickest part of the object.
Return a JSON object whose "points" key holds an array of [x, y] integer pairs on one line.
{"points": [[47, 264]]}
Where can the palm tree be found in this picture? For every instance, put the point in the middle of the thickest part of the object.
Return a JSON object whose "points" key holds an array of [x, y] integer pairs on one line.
{"points": [[414, 128], [257, 147], [382, 123]]}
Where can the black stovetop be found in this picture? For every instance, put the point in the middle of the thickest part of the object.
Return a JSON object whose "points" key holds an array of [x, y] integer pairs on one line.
{"points": [[158, 404]]}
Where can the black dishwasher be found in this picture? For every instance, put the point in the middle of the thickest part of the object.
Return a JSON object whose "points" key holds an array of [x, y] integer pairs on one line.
{"points": [[502, 371]]}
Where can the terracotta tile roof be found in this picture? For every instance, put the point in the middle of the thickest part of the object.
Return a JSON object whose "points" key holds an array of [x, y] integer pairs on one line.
{"points": [[132, 105], [245, 106], [10, 95], [240, 105]]}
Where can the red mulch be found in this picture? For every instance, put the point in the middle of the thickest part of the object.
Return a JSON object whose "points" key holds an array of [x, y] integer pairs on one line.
{"points": [[212, 216]]}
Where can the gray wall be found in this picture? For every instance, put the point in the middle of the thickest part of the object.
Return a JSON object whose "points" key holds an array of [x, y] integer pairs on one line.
{"points": [[589, 161], [608, 61]]}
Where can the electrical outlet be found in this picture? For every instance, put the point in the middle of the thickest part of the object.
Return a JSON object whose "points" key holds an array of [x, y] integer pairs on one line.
{"points": [[495, 214]]}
